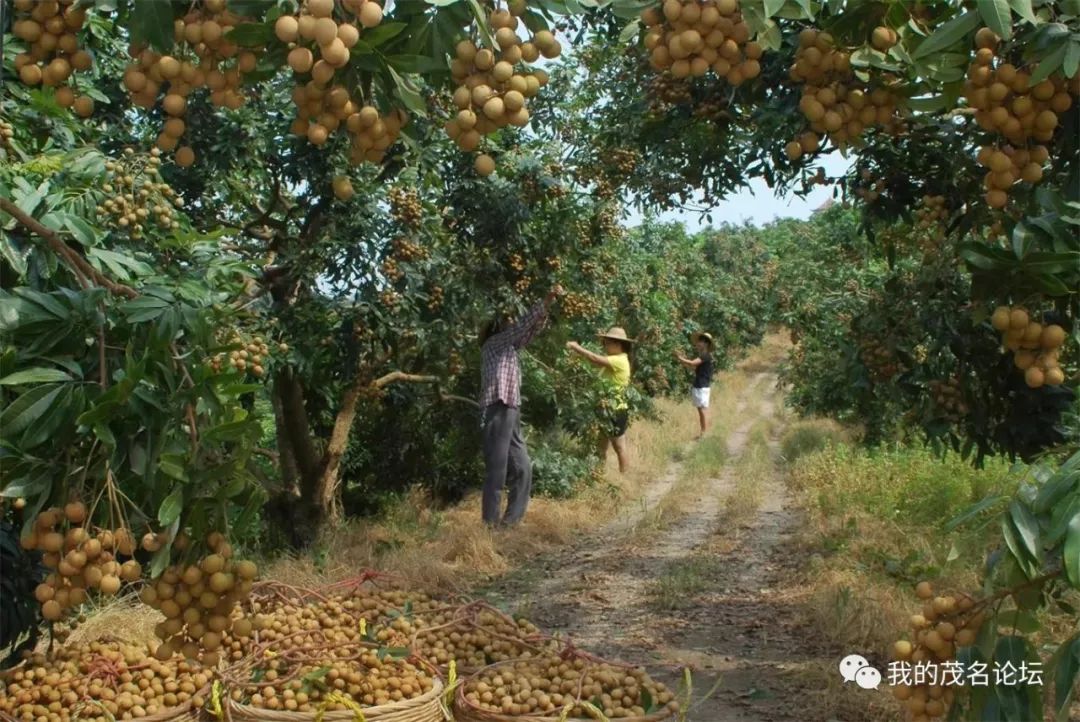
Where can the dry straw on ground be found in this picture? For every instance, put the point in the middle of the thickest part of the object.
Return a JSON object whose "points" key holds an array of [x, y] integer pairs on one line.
{"points": [[449, 550]]}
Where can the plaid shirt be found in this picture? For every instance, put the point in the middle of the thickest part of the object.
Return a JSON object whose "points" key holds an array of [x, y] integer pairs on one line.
{"points": [[500, 371]]}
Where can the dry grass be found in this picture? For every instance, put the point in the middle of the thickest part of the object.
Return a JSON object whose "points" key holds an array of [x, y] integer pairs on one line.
{"points": [[450, 550], [124, 619]]}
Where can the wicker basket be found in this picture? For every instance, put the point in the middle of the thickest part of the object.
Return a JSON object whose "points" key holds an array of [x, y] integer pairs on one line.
{"points": [[425, 708], [465, 711]]}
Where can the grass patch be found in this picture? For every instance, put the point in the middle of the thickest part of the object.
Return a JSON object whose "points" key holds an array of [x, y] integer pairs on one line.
{"points": [[810, 436], [681, 582], [876, 519]]}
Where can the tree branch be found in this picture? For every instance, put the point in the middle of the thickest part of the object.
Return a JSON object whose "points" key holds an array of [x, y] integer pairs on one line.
{"points": [[75, 262], [462, 399], [401, 376]]}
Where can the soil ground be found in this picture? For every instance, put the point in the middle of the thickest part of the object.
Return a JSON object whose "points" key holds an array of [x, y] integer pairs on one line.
{"points": [[714, 590]]}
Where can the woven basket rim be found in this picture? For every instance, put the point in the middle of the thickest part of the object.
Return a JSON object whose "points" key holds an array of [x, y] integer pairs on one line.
{"points": [[432, 695], [462, 705]]}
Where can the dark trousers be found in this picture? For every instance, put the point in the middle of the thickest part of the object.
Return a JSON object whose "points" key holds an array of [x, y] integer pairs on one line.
{"points": [[507, 463]]}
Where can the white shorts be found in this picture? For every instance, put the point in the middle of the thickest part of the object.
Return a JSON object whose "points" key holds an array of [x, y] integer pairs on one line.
{"points": [[700, 398]]}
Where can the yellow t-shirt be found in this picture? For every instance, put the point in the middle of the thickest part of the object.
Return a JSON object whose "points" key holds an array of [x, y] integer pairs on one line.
{"points": [[617, 376], [619, 370]]}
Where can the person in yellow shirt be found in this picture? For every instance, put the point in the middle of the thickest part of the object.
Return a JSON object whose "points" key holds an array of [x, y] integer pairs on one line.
{"points": [[614, 364]]}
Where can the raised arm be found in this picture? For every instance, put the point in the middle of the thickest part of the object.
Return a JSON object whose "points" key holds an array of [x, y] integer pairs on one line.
{"points": [[688, 362], [594, 358], [526, 328]]}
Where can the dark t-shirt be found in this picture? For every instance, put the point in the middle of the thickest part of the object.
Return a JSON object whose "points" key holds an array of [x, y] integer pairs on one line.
{"points": [[703, 372]]}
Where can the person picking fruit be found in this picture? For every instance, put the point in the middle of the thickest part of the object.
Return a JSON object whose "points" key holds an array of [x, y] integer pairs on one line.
{"points": [[614, 407], [703, 372], [506, 459]]}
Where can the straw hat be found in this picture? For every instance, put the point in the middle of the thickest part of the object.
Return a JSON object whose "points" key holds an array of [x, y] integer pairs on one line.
{"points": [[616, 333], [702, 336]]}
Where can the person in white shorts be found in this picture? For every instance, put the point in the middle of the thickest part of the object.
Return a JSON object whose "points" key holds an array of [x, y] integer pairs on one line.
{"points": [[703, 371]]}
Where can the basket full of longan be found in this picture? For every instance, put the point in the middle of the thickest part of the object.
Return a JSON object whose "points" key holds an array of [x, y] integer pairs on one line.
{"points": [[476, 635], [103, 681], [323, 655], [572, 686], [325, 682]]}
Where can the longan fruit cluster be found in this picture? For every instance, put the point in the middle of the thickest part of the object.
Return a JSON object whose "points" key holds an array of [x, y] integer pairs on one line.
{"points": [[831, 99], [199, 601], [948, 396], [494, 84], [1035, 347], [407, 250], [320, 44], [202, 56], [368, 681], [517, 262], [688, 38], [879, 360], [136, 196], [81, 561], [435, 298], [405, 206], [931, 212], [392, 270], [579, 305], [1006, 166], [320, 40], [545, 685], [50, 27], [945, 624], [7, 132], [99, 681], [869, 188], [250, 357]]}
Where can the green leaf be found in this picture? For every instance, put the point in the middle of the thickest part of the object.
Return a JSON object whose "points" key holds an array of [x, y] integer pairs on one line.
{"points": [[408, 94], [1049, 63], [152, 22], [380, 34], [974, 511], [1071, 63], [1023, 9], [82, 230], [171, 506], [414, 64], [36, 375], [1071, 553], [1027, 529], [173, 468], [251, 35], [996, 15], [647, 701], [28, 408], [119, 264], [630, 31], [949, 34], [1066, 666], [772, 7]]}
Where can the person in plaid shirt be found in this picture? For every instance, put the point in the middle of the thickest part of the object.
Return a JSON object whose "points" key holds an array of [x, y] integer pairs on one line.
{"points": [[506, 460]]}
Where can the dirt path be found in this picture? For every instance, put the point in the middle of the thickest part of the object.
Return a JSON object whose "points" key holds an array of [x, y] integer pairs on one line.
{"points": [[711, 591]]}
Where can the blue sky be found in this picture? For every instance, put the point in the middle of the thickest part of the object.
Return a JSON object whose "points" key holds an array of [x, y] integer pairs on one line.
{"points": [[757, 204]]}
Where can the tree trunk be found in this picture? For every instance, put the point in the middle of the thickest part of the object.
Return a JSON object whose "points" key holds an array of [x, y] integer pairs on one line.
{"points": [[327, 487], [295, 511]]}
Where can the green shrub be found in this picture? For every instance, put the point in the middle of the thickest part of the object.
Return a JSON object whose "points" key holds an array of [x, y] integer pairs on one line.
{"points": [[905, 485], [560, 466]]}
